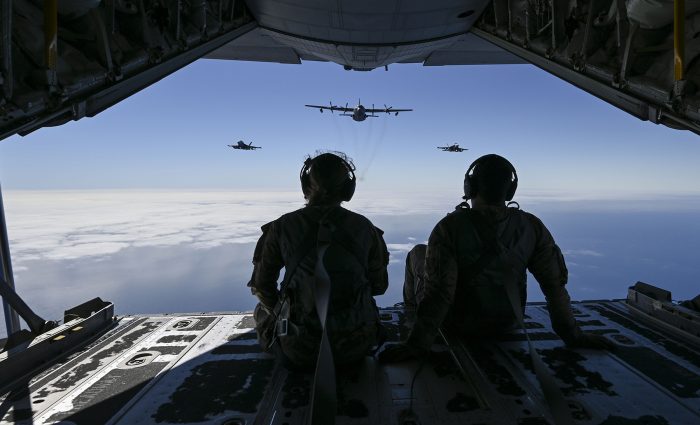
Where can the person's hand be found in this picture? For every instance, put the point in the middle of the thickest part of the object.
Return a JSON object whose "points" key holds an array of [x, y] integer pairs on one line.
{"points": [[596, 342], [400, 353]]}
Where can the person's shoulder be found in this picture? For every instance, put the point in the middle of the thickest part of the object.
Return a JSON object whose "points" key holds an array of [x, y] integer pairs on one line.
{"points": [[355, 218], [458, 214], [284, 218], [451, 221], [533, 221], [530, 217], [352, 215]]}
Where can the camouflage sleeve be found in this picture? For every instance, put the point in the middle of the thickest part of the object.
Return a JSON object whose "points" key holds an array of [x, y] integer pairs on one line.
{"points": [[440, 280], [548, 267], [377, 263], [267, 263], [409, 291]]}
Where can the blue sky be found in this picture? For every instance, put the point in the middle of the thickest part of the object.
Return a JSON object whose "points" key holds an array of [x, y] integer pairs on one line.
{"points": [[174, 133]]}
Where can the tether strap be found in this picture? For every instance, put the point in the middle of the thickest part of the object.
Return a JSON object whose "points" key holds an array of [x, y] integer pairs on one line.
{"points": [[561, 414], [323, 393], [552, 393]]}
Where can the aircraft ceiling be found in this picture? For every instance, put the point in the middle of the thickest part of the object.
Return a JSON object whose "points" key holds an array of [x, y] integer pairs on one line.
{"points": [[64, 60]]}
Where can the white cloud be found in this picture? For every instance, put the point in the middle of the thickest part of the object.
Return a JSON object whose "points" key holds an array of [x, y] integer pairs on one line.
{"points": [[77, 224], [70, 225], [400, 247], [582, 253], [60, 225]]}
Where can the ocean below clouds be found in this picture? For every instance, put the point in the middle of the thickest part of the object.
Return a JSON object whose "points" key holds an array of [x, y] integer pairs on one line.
{"points": [[171, 251]]}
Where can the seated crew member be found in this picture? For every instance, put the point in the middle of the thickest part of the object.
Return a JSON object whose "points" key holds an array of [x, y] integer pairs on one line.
{"points": [[356, 261], [472, 254]]}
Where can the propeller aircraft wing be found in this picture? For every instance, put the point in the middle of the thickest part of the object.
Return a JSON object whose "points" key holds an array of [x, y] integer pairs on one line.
{"points": [[387, 110], [330, 107]]}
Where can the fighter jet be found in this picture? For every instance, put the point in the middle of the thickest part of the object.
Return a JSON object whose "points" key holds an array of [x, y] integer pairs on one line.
{"points": [[359, 112], [241, 145], [452, 148]]}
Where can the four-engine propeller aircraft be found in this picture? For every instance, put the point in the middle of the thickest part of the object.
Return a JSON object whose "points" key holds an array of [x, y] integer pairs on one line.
{"points": [[359, 112], [452, 148], [241, 145]]}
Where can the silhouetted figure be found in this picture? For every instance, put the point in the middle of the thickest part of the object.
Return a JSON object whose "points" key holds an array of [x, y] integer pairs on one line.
{"points": [[473, 254], [355, 259]]}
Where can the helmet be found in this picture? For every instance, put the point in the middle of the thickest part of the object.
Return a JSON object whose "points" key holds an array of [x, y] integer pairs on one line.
{"points": [[330, 172], [473, 178]]}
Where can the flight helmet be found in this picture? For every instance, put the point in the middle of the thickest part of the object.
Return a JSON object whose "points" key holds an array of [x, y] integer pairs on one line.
{"points": [[491, 174]]}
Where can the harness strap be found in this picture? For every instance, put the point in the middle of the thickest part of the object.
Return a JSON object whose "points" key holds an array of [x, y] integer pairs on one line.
{"points": [[561, 414], [323, 394]]}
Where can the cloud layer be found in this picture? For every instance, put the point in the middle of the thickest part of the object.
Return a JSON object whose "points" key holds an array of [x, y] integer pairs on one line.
{"points": [[62, 225]]}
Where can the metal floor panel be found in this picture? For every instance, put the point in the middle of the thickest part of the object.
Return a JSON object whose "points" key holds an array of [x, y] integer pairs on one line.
{"points": [[208, 369]]}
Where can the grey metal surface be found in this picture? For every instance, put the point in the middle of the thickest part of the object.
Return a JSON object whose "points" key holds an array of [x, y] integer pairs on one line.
{"points": [[368, 22], [197, 369], [23, 357], [365, 35]]}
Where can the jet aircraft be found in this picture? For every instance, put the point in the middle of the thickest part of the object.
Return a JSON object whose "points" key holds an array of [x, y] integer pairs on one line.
{"points": [[359, 112], [241, 145], [452, 148]]}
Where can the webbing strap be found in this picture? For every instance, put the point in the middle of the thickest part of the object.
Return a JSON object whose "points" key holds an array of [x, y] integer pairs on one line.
{"points": [[323, 393], [561, 414]]}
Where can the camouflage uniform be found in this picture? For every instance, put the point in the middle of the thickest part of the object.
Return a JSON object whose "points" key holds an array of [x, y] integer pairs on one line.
{"points": [[478, 305], [357, 266]]}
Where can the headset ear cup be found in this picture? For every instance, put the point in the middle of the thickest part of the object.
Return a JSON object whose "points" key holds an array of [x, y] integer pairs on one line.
{"points": [[467, 187], [470, 187], [305, 178], [305, 184], [511, 190], [349, 186], [349, 189]]}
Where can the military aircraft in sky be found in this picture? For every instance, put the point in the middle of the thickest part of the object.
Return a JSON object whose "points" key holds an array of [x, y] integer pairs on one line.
{"points": [[359, 112], [242, 146], [452, 148]]}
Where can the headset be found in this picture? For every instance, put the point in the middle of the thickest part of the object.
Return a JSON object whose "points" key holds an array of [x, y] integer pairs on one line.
{"points": [[471, 185], [345, 189]]}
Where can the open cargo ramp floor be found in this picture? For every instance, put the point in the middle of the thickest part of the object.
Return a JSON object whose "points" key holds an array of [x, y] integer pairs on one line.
{"points": [[208, 368]]}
